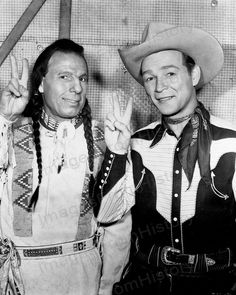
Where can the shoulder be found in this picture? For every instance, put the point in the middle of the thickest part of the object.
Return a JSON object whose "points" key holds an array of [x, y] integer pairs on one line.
{"points": [[24, 124], [98, 137], [147, 132], [98, 130], [98, 125], [221, 128], [223, 145]]}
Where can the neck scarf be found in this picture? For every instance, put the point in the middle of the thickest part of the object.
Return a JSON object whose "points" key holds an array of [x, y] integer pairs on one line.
{"points": [[176, 121], [195, 145]]}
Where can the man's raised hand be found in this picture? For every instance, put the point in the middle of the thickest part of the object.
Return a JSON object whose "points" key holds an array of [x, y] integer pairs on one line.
{"points": [[15, 96], [117, 126]]}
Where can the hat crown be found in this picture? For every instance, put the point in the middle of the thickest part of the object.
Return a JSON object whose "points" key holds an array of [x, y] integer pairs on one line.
{"points": [[153, 29], [204, 49]]}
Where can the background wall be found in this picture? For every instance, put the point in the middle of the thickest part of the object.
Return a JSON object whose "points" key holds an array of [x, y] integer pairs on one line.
{"points": [[103, 26]]}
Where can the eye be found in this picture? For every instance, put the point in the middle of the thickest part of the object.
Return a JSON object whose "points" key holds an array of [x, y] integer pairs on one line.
{"points": [[84, 79], [171, 74], [148, 79], [65, 76]]}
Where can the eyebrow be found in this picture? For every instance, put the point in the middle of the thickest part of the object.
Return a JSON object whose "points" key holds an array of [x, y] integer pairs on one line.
{"points": [[71, 72], [162, 68], [170, 66]]}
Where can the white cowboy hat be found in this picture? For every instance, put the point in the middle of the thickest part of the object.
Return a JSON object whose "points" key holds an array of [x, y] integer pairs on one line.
{"points": [[201, 46]]}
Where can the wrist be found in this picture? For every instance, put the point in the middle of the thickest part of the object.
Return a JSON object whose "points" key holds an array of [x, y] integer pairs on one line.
{"points": [[9, 119], [119, 149]]}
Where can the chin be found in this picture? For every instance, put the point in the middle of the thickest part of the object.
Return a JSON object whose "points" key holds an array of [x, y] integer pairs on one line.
{"points": [[69, 116], [168, 113]]}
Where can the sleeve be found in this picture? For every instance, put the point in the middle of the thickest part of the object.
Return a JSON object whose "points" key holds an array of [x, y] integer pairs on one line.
{"points": [[114, 188], [234, 181], [6, 150], [115, 248]]}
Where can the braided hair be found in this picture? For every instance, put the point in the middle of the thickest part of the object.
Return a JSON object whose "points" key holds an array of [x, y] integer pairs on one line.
{"points": [[35, 106], [87, 121]]}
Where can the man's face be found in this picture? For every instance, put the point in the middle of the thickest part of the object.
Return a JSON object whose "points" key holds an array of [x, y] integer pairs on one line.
{"points": [[169, 84], [64, 86]]}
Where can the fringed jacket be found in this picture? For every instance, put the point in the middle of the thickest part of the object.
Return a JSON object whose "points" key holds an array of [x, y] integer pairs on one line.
{"points": [[72, 215]]}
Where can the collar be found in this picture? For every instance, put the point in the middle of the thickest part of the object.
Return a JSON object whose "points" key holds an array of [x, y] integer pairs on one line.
{"points": [[51, 124], [160, 130], [194, 143]]}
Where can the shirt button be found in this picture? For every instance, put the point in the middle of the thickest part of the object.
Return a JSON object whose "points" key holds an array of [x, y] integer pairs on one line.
{"points": [[176, 171], [177, 149], [100, 186], [176, 240], [105, 174], [176, 195], [102, 181], [107, 168], [109, 161], [112, 156], [175, 218]]}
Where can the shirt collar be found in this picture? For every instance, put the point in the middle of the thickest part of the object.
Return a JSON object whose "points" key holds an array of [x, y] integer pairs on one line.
{"points": [[160, 131]]}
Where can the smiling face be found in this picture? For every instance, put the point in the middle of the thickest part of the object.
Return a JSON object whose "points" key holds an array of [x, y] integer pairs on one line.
{"points": [[64, 86], [169, 84]]}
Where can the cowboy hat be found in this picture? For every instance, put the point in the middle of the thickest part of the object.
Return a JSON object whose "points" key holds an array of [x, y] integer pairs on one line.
{"points": [[202, 47]]}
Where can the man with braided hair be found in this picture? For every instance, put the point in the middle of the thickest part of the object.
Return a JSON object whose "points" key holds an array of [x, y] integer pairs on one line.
{"points": [[50, 153]]}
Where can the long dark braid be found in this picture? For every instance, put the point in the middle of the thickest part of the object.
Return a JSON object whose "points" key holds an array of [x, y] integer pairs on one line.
{"points": [[36, 135], [87, 121]]}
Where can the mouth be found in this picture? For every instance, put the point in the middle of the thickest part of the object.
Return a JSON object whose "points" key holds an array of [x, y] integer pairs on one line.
{"points": [[165, 98], [71, 101]]}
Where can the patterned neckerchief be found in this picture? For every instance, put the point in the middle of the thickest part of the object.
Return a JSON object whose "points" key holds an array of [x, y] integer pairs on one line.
{"points": [[194, 144]]}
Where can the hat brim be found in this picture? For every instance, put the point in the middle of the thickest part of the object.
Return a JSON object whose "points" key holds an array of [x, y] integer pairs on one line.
{"points": [[202, 47]]}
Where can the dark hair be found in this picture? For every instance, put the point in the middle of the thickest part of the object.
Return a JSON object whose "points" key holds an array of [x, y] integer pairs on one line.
{"points": [[188, 62], [35, 105], [41, 67]]}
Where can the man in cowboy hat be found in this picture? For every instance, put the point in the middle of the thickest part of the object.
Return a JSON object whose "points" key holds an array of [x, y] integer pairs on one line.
{"points": [[183, 170]]}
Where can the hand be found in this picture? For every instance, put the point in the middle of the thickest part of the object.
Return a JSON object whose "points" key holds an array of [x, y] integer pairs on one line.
{"points": [[15, 96], [117, 127]]}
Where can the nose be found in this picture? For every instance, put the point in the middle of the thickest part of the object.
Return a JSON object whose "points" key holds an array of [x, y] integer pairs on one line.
{"points": [[161, 84], [76, 87]]}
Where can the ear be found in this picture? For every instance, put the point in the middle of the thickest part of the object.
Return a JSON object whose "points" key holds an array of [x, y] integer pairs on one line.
{"points": [[41, 87], [196, 75]]}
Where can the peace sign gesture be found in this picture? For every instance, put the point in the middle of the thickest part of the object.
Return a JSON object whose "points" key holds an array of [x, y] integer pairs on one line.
{"points": [[15, 96], [117, 127]]}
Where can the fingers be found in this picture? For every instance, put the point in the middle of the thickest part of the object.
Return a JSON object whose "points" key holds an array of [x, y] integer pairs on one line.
{"points": [[128, 111], [122, 128], [17, 90], [13, 87], [109, 122], [14, 67], [25, 70], [24, 93], [126, 116], [25, 73], [116, 105], [113, 124]]}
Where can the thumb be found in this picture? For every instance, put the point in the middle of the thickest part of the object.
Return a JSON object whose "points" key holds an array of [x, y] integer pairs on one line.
{"points": [[24, 92], [122, 128]]}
